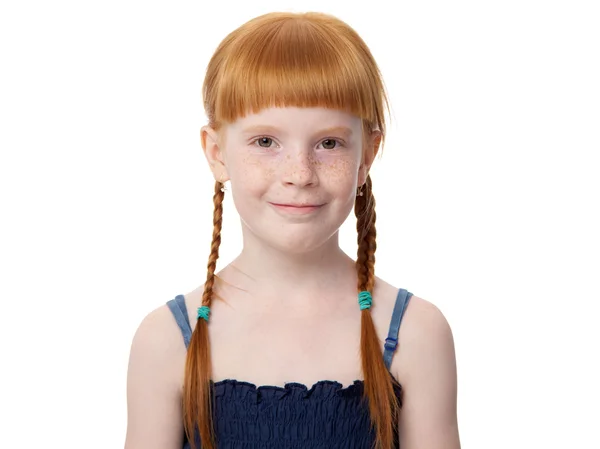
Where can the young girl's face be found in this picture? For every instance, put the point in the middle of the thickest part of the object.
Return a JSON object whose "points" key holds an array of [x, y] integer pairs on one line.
{"points": [[293, 172]]}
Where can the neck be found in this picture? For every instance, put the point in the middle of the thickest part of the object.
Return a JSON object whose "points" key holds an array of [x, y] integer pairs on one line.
{"points": [[275, 270]]}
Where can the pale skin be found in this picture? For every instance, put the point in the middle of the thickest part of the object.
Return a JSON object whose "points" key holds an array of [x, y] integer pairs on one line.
{"points": [[290, 310]]}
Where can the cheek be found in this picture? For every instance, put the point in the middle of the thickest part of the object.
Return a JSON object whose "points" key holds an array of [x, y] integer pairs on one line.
{"points": [[340, 172], [252, 173]]}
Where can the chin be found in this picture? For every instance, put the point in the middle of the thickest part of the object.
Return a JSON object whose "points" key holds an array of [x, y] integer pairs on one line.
{"points": [[301, 237]]}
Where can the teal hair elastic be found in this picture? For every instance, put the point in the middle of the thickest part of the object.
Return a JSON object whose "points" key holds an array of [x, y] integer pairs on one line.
{"points": [[364, 300], [203, 312]]}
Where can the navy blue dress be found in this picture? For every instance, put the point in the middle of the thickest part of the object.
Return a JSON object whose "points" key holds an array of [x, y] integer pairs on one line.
{"points": [[324, 416]]}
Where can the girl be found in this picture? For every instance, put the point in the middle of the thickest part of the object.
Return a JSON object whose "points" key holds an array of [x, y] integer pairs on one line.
{"points": [[292, 344]]}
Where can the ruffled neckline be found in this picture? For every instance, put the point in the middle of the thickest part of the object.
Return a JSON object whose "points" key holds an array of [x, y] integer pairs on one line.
{"points": [[322, 389]]}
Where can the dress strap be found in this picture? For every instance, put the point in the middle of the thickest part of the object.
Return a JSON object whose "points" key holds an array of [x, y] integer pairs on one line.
{"points": [[179, 311], [391, 342]]}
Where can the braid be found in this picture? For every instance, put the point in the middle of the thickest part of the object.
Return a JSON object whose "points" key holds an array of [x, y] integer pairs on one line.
{"points": [[379, 391], [197, 395], [218, 197], [365, 227]]}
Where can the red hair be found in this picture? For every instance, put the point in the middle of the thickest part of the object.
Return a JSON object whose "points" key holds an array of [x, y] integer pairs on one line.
{"points": [[303, 60]]}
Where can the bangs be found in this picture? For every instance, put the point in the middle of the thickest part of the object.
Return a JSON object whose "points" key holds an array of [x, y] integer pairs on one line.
{"points": [[301, 60]]}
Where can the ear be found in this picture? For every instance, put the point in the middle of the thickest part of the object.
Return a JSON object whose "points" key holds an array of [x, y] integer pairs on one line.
{"points": [[370, 151], [211, 144]]}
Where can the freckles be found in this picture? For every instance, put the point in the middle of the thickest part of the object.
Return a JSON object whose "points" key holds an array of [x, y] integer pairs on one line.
{"points": [[249, 161], [256, 169], [340, 170], [269, 172]]}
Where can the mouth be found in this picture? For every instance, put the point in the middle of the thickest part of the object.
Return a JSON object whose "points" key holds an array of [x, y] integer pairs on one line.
{"points": [[297, 208]]}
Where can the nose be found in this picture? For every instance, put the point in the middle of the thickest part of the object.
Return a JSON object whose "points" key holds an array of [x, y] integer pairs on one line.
{"points": [[299, 169]]}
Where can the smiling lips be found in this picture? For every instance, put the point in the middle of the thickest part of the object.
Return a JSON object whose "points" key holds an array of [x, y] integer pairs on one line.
{"points": [[297, 208]]}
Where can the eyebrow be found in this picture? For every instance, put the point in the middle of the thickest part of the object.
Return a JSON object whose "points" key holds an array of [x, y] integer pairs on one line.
{"points": [[344, 130]]}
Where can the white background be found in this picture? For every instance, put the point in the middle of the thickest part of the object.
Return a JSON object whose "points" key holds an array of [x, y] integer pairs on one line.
{"points": [[487, 198]]}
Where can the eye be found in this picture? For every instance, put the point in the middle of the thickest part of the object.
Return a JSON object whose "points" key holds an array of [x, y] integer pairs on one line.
{"points": [[264, 142], [329, 144]]}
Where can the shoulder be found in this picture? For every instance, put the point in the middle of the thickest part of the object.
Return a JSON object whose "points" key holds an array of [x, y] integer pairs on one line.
{"points": [[424, 322], [159, 330], [425, 333], [425, 339], [158, 343], [154, 383], [425, 366]]}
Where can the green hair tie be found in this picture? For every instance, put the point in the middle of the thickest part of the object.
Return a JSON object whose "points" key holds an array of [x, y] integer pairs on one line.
{"points": [[203, 312], [364, 300]]}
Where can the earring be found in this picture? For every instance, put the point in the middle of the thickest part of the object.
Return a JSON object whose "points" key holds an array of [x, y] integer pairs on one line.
{"points": [[223, 187], [359, 191]]}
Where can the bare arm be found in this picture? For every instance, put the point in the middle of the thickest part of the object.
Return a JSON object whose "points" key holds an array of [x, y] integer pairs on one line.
{"points": [[154, 416], [427, 371]]}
